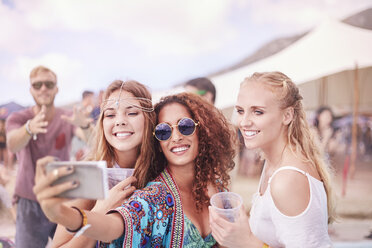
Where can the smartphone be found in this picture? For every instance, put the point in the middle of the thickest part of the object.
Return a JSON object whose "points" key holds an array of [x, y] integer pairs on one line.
{"points": [[91, 175]]}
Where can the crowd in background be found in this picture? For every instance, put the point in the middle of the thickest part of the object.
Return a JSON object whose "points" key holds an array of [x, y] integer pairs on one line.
{"points": [[333, 134], [336, 144], [338, 140]]}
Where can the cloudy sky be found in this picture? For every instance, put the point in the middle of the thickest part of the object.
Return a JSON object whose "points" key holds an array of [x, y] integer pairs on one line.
{"points": [[90, 43]]}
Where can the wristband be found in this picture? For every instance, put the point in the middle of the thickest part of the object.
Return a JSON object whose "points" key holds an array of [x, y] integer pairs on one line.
{"points": [[84, 222], [265, 246], [86, 127], [28, 130]]}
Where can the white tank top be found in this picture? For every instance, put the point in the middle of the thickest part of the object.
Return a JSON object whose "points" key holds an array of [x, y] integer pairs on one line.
{"points": [[308, 229]]}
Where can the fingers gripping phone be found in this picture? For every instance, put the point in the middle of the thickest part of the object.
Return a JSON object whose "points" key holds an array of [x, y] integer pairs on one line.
{"points": [[91, 175]]}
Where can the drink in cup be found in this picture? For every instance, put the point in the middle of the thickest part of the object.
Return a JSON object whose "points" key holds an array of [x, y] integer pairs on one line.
{"points": [[227, 205], [116, 175]]}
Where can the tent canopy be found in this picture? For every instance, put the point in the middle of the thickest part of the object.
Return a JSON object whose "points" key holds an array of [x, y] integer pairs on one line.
{"points": [[331, 48]]}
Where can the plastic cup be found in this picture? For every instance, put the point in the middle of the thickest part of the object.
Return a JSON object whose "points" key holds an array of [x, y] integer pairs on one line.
{"points": [[116, 175], [227, 205]]}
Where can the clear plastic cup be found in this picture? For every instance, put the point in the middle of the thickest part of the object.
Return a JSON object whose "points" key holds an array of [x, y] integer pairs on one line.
{"points": [[227, 205], [116, 175]]}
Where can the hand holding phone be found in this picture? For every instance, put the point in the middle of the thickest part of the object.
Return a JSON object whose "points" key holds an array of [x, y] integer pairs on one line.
{"points": [[90, 175]]}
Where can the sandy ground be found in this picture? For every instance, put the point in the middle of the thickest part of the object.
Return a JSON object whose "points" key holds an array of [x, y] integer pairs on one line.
{"points": [[355, 208]]}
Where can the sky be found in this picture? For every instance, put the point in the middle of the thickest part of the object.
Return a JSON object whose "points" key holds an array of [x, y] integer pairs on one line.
{"points": [[90, 43]]}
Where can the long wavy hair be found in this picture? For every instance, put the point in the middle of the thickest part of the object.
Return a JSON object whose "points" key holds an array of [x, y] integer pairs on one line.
{"points": [[299, 137], [217, 143], [102, 150]]}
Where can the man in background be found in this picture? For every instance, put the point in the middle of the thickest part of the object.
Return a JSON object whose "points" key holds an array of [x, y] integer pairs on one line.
{"points": [[88, 101], [78, 145], [33, 133], [202, 86]]}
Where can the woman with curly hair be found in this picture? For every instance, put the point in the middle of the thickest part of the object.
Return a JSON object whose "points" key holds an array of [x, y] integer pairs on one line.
{"points": [[194, 152], [293, 204]]}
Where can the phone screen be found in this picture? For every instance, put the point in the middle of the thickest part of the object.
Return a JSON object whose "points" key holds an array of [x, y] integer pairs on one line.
{"points": [[91, 175]]}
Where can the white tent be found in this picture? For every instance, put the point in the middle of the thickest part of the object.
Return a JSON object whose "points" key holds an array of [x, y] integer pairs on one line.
{"points": [[333, 48]]}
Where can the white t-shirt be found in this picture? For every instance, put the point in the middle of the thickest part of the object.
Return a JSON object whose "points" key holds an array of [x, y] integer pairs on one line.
{"points": [[308, 229]]}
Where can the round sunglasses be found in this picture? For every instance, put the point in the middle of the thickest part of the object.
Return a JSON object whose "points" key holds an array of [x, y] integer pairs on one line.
{"points": [[186, 126], [39, 84]]}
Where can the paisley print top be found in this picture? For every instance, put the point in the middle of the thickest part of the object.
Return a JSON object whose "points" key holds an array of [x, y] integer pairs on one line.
{"points": [[153, 217]]}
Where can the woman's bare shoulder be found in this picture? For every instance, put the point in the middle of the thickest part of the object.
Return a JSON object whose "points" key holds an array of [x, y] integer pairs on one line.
{"points": [[290, 191]]}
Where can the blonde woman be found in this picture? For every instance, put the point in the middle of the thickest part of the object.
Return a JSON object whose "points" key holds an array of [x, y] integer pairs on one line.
{"points": [[293, 204]]}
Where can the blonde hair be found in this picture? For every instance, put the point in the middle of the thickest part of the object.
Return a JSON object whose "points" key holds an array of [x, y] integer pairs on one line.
{"points": [[39, 69], [299, 136], [102, 150]]}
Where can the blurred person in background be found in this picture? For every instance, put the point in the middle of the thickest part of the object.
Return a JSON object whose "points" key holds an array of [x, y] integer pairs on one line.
{"points": [[87, 102], [203, 87], [33, 133], [96, 109], [367, 139], [325, 132], [328, 138], [78, 146], [3, 149], [5, 198]]}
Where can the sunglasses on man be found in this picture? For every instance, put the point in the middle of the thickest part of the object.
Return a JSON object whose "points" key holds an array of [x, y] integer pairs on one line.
{"points": [[186, 126], [39, 84]]}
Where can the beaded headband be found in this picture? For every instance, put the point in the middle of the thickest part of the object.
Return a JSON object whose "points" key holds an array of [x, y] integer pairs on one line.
{"points": [[131, 101]]}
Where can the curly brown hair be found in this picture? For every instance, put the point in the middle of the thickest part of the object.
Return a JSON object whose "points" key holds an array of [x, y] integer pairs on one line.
{"points": [[217, 143]]}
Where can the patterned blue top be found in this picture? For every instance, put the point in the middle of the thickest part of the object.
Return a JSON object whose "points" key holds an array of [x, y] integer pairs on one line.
{"points": [[153, 217]]}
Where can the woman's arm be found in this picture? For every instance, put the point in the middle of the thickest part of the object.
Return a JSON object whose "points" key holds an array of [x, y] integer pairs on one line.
{"points": [[103, 227], [64, 239], [117, 195], [237, 234]]}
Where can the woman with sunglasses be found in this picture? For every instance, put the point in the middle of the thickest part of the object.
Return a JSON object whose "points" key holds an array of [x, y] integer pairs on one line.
{"points": [[194, 152], [123, 135], [293, 204]]}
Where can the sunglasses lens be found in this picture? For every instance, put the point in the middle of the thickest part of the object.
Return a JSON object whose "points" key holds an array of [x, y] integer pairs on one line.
{"points": [[37, 85], [49, 84], [186, 126], [163, 131]]}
